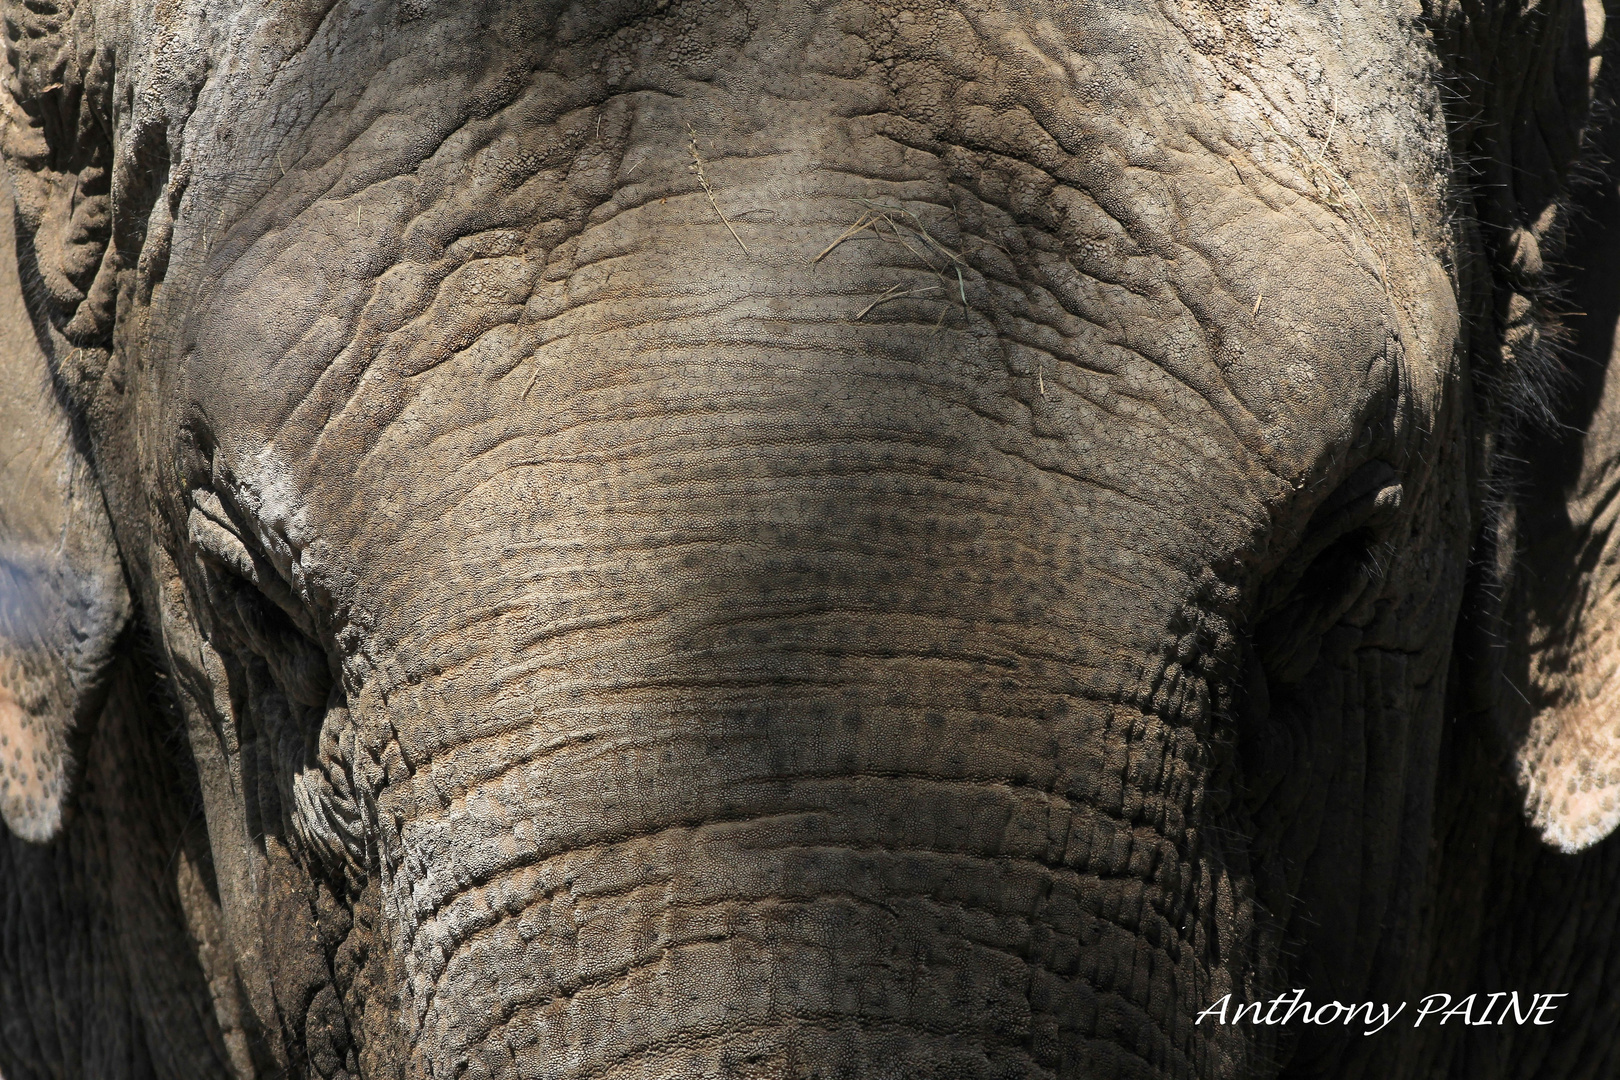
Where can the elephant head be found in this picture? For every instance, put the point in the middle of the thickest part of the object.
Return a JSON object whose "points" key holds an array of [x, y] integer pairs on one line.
{"points": [[795, 538]]}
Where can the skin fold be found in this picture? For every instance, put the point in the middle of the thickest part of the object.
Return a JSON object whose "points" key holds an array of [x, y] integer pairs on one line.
{"points": [[801, 539]]}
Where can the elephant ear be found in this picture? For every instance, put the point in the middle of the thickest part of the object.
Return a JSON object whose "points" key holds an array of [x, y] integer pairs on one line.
{"points": [[1541, 643], [1567, 587], [1562, 663], [63, 598]]}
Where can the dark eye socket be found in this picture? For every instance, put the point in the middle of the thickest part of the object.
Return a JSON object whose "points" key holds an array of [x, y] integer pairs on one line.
{"points": [[296, 662], [261, 610], [1330, 571], [292, 705], [1333, 568]]}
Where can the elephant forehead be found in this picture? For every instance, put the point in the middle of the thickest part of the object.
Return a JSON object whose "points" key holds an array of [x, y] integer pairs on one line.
{"points": [[555, 116], [603, 265]]}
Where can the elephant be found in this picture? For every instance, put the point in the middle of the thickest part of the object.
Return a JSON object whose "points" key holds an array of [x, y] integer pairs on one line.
{"points": [[806, 538]]}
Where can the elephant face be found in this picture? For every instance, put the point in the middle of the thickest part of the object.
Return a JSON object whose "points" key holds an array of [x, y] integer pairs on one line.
{"points": [[783, 539]]}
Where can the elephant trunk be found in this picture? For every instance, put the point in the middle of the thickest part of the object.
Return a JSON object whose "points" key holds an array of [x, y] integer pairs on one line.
{"points": [[775, 702], [732, 872]]}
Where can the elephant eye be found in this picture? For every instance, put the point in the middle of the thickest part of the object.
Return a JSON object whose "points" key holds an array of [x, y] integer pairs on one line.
{"points": [[1327, 580], [1343, 551], [259, 605], [292, 706]]}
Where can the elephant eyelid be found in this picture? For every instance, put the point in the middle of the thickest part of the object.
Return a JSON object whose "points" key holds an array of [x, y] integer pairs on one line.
{"points": [[215, 542], [1364, 504], [215, 536]]}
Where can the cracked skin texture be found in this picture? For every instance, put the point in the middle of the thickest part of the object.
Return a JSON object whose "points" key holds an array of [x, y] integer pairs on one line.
{"points": [[771, 539]]}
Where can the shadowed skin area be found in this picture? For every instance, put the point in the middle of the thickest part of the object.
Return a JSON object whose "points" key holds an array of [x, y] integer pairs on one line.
{"points": [[718, 539]]}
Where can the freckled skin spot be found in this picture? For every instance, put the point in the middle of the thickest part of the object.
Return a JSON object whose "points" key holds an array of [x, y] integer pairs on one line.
{"points": [[24, 779]]}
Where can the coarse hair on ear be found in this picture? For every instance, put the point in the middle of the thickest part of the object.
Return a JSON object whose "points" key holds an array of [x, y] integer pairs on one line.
{"points": [[63, 599], [1541, 638], [1563, 607]]}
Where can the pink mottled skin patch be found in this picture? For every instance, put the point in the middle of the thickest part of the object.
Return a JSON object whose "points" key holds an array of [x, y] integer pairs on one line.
{"points": [[1570, 768], [24, 801]]}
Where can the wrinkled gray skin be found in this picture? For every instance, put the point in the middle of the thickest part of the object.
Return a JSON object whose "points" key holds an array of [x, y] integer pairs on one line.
{"points": [[801, 539]]}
